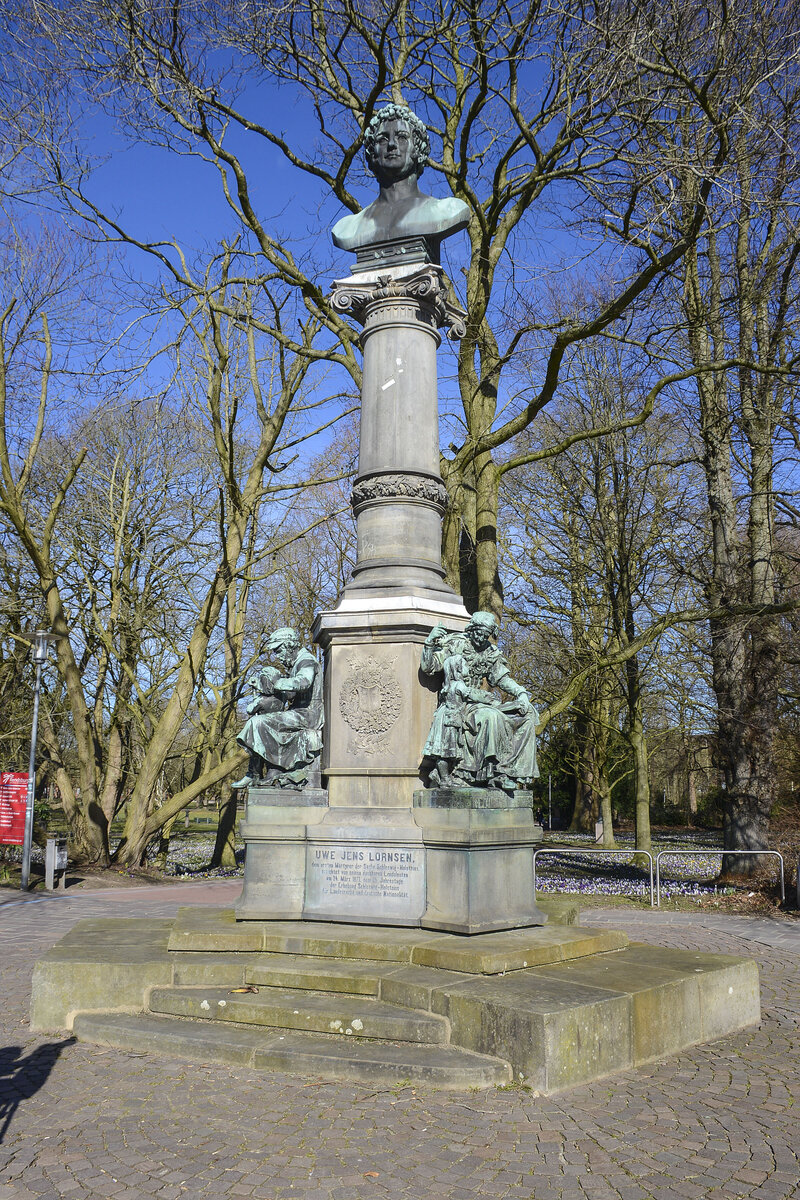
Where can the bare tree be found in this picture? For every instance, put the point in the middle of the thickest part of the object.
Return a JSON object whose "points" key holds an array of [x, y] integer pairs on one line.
{"points": [[542, 117], [595, 535], [740, 300], [115, 553]]}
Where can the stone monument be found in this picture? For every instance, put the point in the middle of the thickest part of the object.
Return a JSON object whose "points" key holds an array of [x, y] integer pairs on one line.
{"points": [[349, 1000], [376, 846]]}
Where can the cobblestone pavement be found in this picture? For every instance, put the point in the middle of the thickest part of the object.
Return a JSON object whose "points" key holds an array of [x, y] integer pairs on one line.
{"points": [[81, 1122]]}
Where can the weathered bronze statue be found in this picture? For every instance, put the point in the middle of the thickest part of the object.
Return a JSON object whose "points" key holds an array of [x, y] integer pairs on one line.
{"points": [[476, 739], [283, 731], [397, 147]]}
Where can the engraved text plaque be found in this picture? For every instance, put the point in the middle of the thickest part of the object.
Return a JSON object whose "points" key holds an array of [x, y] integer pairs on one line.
{"points": [[365, 881]]}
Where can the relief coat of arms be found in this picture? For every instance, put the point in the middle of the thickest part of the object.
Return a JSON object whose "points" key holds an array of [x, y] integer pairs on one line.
{"points": [[370, 701]]}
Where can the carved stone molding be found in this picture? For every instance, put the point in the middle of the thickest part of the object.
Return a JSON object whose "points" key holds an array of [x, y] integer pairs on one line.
{"points": [[397, 486], [425, 287]]}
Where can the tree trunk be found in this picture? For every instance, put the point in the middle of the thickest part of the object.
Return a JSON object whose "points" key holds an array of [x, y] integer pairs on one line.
{"points": [[747, 756], [459, 533], [225, 845], [641, 776], [489, 586], [586, 807], [609, 841], [165, 834], [740, 303]]}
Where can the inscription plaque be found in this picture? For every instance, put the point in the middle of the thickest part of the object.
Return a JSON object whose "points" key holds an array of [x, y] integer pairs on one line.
{"points": [[367, 881]]}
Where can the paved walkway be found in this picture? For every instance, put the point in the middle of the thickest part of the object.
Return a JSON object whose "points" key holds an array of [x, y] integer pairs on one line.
{"points": [[780, 933], [52, 916], [720, 1123]]}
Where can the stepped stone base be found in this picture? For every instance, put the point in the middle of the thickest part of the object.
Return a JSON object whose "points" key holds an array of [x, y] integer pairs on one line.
{"points": [[321, 1057], [555, 1005]]}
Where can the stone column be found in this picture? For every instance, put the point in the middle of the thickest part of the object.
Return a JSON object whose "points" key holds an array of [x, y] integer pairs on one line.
{"points": [[359, 854], [378, 710], [398, 496]]}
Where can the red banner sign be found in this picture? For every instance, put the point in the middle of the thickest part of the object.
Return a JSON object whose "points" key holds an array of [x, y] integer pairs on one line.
{"points": [[13, 802]]}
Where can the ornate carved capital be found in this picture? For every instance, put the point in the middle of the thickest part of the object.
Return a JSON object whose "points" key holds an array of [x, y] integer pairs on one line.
{"points": [[396, 486], [425, 286]]}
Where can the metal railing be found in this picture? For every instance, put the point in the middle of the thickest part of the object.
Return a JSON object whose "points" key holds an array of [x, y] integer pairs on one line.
{"points": [[595, 850], [677, 853], [655, 891]]}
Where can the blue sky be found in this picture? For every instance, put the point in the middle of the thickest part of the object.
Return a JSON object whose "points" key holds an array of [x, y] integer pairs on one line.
{"points": [[159, 194]]}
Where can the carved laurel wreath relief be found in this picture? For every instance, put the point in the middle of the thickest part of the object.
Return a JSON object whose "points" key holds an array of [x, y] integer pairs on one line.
{"points": [[392, 486]]}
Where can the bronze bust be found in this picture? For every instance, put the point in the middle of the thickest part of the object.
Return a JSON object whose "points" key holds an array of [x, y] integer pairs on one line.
{"points": [[397, 147]]}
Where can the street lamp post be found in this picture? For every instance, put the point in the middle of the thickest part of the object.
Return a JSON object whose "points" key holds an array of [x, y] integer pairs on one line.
{"points": [[40, 649]]}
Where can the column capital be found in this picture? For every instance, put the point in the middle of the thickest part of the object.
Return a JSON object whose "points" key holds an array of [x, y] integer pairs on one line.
{"points": [[424, 286]]}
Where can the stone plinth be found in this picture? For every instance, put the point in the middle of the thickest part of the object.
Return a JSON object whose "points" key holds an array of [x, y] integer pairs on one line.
{"points": [[479, 847], [305, 860], [378, 706], [459, 861], [275, 832]]}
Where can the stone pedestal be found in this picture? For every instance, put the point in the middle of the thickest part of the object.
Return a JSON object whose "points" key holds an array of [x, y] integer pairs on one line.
{"points": [[275, 831], [366, 860], [479, 847], [378, 706], [456, 860], [351, 863]]}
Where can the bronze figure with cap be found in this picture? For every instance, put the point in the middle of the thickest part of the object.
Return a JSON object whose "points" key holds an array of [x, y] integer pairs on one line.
{"points": [[283, 730]]}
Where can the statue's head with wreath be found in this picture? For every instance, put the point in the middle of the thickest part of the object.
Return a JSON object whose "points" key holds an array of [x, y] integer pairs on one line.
{"points": [[396, 143]]}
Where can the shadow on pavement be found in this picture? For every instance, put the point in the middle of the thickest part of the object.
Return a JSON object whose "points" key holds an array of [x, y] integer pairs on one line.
{"points": [[21, 1078]]}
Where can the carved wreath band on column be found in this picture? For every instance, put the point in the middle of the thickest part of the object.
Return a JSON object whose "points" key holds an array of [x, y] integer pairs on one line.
{"points": [[397, 486], [354, 298]]}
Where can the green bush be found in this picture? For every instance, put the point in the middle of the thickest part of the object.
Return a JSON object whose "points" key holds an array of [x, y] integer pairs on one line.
{"points": [[42, 812]]}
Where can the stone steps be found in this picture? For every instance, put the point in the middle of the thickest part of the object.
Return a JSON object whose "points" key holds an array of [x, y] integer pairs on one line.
{"points": [[315, 1055], [202, 930], [333, 1014], [558, 1006], [357, 977]]}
